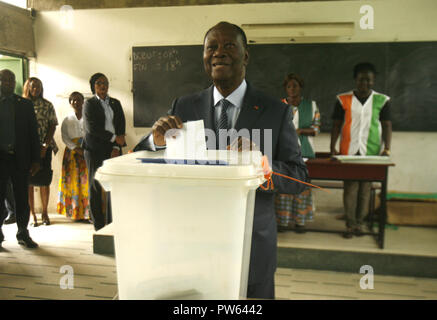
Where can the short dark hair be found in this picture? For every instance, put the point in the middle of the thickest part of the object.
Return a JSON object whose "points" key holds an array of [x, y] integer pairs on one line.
{"points": [[75, 93], [7, 71], [237, 29], [93, 80], [293, 76], [364, 67]]}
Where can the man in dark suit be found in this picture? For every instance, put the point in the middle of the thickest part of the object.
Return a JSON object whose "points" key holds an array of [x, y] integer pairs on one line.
{"points": [[19, 153], [225, 58], [105, 128], [9, 205]]}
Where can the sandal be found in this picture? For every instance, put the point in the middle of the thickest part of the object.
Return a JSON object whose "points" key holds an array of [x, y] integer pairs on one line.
{"points": [[45, 219], [358, 232]]}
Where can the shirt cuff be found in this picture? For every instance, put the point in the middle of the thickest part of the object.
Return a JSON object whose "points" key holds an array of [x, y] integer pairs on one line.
{"points": [[113, 138], [152, 145]]}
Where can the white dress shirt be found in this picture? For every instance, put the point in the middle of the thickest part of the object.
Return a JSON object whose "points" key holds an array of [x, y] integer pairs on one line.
{"points": [[71, 128], [236, 98], [109, 116]]}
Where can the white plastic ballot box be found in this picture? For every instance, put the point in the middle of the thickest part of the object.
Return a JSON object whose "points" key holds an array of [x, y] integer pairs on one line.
{"points": [[182, 230]]}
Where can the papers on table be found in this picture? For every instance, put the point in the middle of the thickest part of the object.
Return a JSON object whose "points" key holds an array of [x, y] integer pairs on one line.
{"points": [[364, 159]]}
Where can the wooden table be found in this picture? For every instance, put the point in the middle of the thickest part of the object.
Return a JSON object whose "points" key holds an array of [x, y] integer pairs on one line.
{"points": [[325, 168]]}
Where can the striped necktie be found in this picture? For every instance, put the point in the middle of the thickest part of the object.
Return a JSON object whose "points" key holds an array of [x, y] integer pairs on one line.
{"points": [[222, 121]]}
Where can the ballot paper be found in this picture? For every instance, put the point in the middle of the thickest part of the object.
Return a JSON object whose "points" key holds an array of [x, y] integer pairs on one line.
{"points": [[187, 143]]}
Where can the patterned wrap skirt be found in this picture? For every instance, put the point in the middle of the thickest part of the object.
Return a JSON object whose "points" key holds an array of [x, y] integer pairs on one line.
{"points": [[294, 208], [73, 186]]}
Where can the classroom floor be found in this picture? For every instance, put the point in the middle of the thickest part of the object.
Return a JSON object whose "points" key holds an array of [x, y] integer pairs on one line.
{"points": [[35, 274], [406, 240]]}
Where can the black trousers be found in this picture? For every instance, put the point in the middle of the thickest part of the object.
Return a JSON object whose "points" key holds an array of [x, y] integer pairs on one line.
{"points": [[93, 162], [20, 183], [262, 290], [9, 200]]}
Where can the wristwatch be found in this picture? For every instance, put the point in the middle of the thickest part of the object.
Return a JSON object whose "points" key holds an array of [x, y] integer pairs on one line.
{"points": [[45, 145]]}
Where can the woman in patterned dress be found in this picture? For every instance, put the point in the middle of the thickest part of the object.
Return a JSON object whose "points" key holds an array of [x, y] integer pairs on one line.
{"points": [[297, 209], [47, 122], [73, 183]]}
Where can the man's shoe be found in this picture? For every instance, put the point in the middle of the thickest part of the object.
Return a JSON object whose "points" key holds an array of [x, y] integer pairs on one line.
{"points": [[349, 233], [28, 243], [358, 232], [11, 219]]}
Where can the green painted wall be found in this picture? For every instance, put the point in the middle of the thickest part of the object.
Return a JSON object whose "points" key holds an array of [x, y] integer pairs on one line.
{"points": [[16, 66]]}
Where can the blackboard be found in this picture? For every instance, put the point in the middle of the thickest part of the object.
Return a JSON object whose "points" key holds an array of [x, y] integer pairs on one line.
{"points": [[161, 74], [407, 72]]}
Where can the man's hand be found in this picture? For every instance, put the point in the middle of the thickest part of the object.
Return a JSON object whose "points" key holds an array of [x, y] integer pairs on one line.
{"points": [[334, 152], [115, 153], [243, 144], [43, 152], [34, 168], [120, 140], [335, 133], [161, 126], [79, 151]]}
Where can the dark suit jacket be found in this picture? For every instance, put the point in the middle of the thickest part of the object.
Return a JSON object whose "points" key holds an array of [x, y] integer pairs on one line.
{"points": [[97, 139], [259, 111], [27, 148]]}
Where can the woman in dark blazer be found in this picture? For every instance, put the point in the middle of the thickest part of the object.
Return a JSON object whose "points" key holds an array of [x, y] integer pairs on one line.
{"points": [[105, 130]]}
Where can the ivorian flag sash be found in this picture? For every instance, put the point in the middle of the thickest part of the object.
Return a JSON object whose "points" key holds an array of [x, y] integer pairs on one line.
{"points": [[361, 131]]}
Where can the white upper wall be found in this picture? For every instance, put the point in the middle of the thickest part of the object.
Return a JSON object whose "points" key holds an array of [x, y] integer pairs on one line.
{"points": [[101, 41]]}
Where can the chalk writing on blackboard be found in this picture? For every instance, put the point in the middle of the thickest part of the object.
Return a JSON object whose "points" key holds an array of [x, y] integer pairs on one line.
{"points": [[156, 60]]}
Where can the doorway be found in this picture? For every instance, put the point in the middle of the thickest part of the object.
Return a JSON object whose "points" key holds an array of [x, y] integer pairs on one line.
{"points": [[19, 66]]}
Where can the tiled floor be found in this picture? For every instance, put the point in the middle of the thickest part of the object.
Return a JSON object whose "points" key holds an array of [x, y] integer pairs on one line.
{"points": [[35, 274], [309, 284]]}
